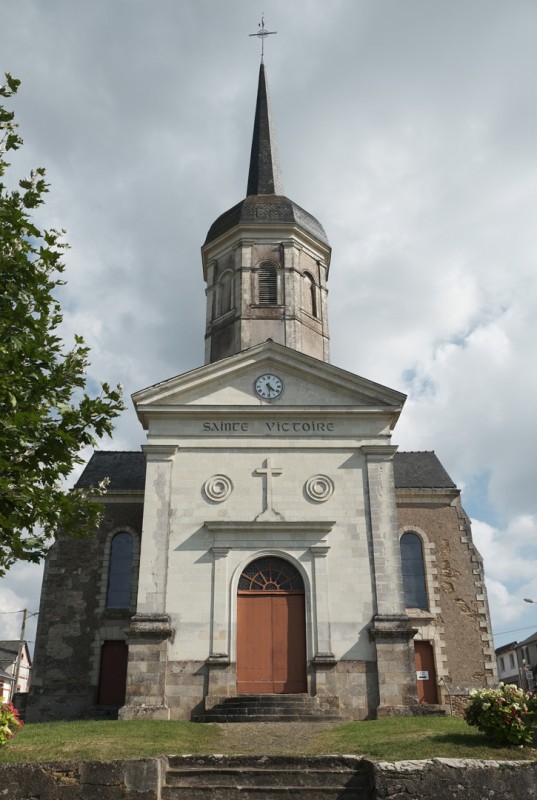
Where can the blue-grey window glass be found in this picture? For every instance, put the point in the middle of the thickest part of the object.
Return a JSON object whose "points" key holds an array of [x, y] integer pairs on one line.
{"points": [[120, 573], [413, 572]]}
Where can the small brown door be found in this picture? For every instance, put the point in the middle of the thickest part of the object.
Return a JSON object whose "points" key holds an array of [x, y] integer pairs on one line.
{"points": [[425, 672], [113, 675], [271, 630]]}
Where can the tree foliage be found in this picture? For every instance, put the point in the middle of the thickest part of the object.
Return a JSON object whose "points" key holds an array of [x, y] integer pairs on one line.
{"points": [[46, 415]]}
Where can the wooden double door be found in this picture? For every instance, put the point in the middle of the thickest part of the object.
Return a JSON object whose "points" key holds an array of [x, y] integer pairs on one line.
{"points": [[271, 628], [271, 643]]}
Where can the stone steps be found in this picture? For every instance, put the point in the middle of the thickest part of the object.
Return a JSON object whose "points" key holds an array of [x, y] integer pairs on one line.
{"points": [[267, 778], [268, 708]]}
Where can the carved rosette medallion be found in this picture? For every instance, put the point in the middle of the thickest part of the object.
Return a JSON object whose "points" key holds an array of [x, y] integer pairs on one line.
{"points": [[218, 488], [319, 488]]}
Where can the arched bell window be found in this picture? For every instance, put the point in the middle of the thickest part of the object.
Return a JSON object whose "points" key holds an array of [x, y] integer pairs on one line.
{"points": [[310, 295], [226, 293], [413, 571], [119, 592], [267, 285]]}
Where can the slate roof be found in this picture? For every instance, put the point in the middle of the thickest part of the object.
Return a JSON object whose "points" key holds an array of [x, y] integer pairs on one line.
{"points": [[266, 209], [265, 202], [126, 470], [420, 470], [531, 639], [264, 176]]}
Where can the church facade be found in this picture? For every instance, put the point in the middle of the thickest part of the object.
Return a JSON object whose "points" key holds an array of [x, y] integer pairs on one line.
{"points": [[269, 539]]}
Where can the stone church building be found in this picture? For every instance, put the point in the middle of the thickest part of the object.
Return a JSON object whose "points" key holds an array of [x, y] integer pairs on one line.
{"points": [[268, 539]]}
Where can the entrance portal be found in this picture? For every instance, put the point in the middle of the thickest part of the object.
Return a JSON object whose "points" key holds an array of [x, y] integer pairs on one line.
{"points": [[425, 672], [271, 629]]}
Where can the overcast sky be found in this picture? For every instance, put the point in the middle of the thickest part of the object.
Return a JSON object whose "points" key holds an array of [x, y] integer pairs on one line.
{"points": [[408, 127]]}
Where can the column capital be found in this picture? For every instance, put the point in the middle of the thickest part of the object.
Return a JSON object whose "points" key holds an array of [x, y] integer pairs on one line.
{"points": [[160, 452], [220, 552], [319, 550], [385, 452]]}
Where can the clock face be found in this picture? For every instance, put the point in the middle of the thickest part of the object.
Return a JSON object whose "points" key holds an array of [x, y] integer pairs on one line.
{"points": [[268, 386]]}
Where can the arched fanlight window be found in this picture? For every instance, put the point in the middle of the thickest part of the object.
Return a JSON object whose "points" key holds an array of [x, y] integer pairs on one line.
{"points": [[413, 571], [267, 285], [120, 571], [310, 295], [270, 574]]}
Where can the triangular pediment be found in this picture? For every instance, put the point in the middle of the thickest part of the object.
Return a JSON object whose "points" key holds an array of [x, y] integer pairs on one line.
{"points": [[307, 383]]}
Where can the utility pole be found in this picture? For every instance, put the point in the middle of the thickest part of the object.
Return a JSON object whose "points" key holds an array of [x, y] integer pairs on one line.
{"points": [[19, 654]]}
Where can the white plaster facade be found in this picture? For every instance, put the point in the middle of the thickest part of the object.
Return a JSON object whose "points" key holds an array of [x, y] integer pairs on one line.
{"points": [[307, 477]]}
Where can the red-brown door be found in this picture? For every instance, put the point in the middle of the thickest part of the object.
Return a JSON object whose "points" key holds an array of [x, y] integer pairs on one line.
{"points": [[113, 675], [271, 643], [425, 672]]}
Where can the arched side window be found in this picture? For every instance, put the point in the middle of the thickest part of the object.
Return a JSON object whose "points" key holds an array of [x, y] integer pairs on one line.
{"points": [[310, 295], [267, 285], [120, 571], [413, 571]]}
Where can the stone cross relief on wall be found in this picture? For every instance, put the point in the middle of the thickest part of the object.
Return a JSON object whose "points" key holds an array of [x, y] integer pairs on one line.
{"points": [[268, 472]]}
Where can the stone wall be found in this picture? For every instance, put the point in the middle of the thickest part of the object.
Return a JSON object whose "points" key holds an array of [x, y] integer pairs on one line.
{"points": [[458, 624], [84, 780], [73, 619], [143, 779]]}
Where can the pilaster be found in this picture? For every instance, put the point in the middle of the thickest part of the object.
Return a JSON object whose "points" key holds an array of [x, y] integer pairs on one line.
{"points": [[391, 629], [150, 628]]}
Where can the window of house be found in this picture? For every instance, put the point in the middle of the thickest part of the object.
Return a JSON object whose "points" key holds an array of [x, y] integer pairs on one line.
{"points": [[502, 664], [511, 660], [267, 279], [413, 571], [310, 295], [120, 571]]}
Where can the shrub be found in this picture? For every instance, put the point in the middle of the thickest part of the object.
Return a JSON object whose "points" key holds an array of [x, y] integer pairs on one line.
{"points": [[506, 715], [9, 722]]}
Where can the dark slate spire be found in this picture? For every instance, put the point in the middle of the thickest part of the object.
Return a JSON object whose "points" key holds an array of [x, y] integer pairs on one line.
{"points": [[264, 176]]}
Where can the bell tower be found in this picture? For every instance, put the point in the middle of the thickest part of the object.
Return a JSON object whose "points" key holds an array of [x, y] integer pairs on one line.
{"points": [[266, 262]]}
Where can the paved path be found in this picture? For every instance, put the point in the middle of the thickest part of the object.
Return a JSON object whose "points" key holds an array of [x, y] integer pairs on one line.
{"points": [[273, 738]]}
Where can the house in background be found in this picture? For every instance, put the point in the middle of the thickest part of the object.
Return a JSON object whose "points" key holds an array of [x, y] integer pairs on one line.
{"points": [[507, 661], [9, 652], [527, 658], [517, 662]]}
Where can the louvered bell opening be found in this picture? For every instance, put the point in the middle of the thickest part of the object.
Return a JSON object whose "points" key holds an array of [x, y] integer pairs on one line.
{"points": [[268, 286]]}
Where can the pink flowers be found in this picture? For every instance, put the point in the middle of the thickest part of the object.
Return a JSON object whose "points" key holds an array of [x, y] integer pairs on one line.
{"points": [[9, 722]]}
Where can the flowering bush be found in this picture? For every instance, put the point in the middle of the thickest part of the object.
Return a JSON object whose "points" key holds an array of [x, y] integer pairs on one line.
{"points": [[506, 715], [9, 722]]}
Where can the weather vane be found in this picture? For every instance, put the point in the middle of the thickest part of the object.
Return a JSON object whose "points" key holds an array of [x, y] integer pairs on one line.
{"points": [[262, 33]]}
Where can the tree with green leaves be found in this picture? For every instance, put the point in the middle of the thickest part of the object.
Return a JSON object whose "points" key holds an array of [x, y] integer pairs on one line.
{"points": [[46, 415]]}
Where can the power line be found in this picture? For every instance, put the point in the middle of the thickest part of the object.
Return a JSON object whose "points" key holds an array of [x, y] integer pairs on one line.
{"points": [[514, 630]]}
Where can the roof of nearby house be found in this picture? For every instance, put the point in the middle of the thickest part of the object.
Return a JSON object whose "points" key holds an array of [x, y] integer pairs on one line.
{"points": [[505, 648], [530, 640], [126, 471], [4, 676], [9, 650]]}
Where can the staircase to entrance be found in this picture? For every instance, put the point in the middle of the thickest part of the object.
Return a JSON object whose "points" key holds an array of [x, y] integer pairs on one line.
{"points": [[267, 778], [271, 708]]}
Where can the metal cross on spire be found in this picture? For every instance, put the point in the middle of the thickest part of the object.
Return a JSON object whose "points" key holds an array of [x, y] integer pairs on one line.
{"points": [[262, 33]]}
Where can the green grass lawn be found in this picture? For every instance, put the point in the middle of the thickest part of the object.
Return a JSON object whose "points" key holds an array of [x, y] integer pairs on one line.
{"points": [[393, 739]]}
